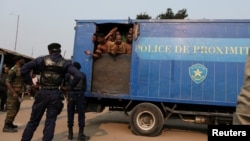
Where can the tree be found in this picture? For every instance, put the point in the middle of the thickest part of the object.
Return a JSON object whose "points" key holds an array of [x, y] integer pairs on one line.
{"points": [[181, 14], [169, 14], [143, 16]]}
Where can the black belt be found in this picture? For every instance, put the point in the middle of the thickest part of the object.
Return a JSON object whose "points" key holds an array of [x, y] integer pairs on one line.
{"points": [[51, 87], [77, 89]]}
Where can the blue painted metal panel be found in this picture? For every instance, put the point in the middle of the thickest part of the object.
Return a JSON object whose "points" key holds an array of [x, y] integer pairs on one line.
{"points": [[219, 82], [83, 41], [220, 47], [165, 78], [186, 83], [231, 82], [208, 92], [122, 21], [154, 76]]}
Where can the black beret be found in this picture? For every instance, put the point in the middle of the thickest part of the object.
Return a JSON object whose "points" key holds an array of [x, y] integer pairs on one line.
{"points": [[100, 35], [77, 65], [16, 58], [54, 46]]}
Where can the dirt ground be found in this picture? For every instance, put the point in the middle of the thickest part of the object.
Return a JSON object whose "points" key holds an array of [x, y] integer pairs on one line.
{"points": [[105, 126]]}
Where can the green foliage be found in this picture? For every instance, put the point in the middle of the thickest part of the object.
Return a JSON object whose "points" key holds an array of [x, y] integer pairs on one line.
{"points": [[169, 14], [143, 16], [181, 14]]}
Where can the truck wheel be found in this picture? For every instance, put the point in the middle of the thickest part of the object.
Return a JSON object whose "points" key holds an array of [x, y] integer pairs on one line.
{"points": [[146, 120]]}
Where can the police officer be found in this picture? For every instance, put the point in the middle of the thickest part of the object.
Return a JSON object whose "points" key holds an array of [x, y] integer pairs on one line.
{"points": [[49, 97], [76, 103], [15, 85]]}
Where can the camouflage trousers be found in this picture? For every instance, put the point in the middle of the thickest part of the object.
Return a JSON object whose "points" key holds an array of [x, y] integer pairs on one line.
{"points": [[12, 106], [242, 113]]}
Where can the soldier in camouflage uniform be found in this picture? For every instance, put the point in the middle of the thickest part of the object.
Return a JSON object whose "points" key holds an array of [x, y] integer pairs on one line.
{"points": [[242, 111], [3, 88], [15, 85]]}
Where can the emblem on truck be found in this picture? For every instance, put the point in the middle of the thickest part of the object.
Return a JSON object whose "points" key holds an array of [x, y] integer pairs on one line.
{"points": [[198, 73]]}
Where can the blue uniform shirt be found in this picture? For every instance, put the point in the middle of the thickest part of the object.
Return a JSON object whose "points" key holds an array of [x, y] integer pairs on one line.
{"points": [[81, 84]]}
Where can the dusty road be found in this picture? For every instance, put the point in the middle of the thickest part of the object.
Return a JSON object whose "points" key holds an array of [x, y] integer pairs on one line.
{"points": [[105, 126]]}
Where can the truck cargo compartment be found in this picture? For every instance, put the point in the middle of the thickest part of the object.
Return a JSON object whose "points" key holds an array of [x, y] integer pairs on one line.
{"points": [[111, 74]]}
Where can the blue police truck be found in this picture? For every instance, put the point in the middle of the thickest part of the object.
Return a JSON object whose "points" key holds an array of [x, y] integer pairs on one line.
{"points": [[192, 69]]}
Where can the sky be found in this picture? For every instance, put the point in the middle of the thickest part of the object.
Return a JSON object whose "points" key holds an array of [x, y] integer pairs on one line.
{"points": [[42, 22]]}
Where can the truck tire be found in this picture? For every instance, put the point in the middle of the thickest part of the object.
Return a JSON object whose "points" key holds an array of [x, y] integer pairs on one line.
{"points": [[146, 119]]}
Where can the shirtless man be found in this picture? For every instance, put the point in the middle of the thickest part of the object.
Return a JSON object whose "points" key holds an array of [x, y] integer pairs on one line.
{"points": [[118, 46], [112, 33], [128, 43], [103, 46]]}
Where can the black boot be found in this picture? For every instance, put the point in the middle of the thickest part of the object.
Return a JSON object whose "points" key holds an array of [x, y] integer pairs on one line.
{"points": [[8, 128], [70, 136], [81, 136], [13, 125]]}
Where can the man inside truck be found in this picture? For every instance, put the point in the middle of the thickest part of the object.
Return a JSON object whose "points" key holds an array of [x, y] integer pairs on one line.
{"points": [[113, 43], [118, 46], [102, 47], [128, 43]]}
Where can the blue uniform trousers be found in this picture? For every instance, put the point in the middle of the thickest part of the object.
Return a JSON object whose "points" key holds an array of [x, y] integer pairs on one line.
{"points": [[53, 105], [76, 103]]}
